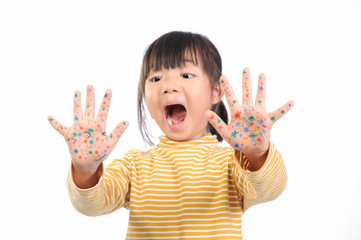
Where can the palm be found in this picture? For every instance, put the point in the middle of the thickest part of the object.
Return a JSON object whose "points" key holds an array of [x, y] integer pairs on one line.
{"points": [[87, 140], [249, 128], [250, 125]]}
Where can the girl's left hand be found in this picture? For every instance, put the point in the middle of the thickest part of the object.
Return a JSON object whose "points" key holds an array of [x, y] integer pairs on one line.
{"points": [[250, 125]]}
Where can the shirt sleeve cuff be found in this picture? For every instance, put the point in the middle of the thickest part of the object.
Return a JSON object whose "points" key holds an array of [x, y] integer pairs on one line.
{"points": [[243, 164], [83, 199]]}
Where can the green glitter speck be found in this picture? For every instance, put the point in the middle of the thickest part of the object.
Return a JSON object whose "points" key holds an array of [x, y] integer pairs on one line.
{"points": [[234, 134]]}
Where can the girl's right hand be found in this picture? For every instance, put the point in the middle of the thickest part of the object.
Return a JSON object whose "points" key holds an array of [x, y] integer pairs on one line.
{"points": [[88, 143]]}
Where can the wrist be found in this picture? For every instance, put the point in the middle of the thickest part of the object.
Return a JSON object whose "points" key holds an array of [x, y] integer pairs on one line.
{"points": [[257, 159], [85, 168], [85, 178]]}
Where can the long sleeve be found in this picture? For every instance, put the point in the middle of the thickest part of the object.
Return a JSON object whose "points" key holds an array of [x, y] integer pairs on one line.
{"points": [[109, 194], [263, 185]]}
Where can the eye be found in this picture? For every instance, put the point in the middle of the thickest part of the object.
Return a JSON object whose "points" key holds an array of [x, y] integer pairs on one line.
{"points": [[155, 79], [187, 75]]}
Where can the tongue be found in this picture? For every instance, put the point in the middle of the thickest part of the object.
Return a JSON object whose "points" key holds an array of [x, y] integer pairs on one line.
{"points": [[177, 114]]}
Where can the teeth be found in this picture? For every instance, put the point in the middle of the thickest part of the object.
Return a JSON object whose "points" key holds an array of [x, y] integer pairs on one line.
{"points": [[172, 121], [169, 121]]}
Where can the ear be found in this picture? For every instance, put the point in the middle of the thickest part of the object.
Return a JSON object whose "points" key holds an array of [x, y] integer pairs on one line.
{"points": [[217, 93]]}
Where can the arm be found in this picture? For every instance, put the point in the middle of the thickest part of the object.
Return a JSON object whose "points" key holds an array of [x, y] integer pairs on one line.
{"points": [[88, 143], [263, 185], [249, 134], [109, 194]]}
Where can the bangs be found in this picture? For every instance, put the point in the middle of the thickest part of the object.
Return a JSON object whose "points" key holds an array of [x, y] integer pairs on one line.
{"points": [[171, 51]]}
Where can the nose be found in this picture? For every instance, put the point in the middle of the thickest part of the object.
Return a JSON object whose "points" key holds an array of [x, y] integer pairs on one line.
{"points": [[170, 85], [169, 90]]}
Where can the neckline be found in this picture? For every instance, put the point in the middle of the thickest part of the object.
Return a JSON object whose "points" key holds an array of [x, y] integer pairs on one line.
{"points": [[209, 139]]}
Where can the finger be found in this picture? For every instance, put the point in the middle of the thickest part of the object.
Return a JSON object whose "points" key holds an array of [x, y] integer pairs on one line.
{"points": [[246, 87], [275, 115], [89, 108], [104, 107], [229, 93], [117, 133], [261, 90], [78, 114], [218, 124], [57, 125]]}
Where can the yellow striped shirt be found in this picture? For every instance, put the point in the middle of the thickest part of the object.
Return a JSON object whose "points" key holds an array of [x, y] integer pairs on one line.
{"points": [[182, 190]]}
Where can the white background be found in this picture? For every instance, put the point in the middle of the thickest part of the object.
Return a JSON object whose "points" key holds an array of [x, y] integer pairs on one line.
{"points": [[309, 50]]}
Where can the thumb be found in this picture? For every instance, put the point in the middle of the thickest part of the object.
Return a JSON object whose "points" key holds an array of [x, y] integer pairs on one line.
{"points": [[217, 123], [276, 115], [57, 125], [117, 133]]}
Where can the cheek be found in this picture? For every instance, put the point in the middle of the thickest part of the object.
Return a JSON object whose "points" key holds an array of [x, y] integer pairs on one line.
{"points": [[147, 96], [202, 103], [204, 99], [151, 103]]}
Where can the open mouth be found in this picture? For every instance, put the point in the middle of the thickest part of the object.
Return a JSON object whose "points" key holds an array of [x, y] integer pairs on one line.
{"points": [[175, 114]]}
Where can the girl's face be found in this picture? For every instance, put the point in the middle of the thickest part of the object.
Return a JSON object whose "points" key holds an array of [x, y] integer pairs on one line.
{"points": [[177, 98]]}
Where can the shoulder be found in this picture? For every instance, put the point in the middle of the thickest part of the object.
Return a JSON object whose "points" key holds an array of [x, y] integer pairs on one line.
{"points": [[222, 148], [224, 152], [136, 155]]}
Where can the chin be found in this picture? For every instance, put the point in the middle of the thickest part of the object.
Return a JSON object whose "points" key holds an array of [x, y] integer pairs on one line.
{"points": [[178, 137], [183, 137]]}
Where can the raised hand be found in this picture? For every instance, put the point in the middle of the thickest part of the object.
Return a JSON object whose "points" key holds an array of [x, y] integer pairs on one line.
{"points": [[88, 143], [250, 124]]}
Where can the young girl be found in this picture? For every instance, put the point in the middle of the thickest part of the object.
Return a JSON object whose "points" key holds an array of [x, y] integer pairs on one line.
{"points": [[187, 186]]}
